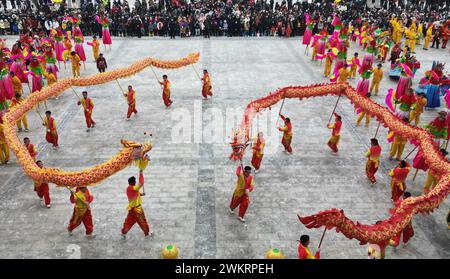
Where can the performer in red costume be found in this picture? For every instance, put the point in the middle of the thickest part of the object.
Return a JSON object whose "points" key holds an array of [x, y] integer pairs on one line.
{"points": [[30, 147], [258, 151], [303, 251], [41, 188], [88, 106], [407, 232], [244, 185], [207, 87], [135, 211], [131, 99], [82, 199], [398, 184], [166, 91], [406, 102], [51, 135], [335, 134], [287, 134], [373, 160]]}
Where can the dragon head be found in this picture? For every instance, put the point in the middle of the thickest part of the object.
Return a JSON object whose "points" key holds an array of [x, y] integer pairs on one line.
{"points": [[139, 149]]}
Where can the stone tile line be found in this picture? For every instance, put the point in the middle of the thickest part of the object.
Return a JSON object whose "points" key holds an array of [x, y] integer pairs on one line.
{"points": [[205, 217]]}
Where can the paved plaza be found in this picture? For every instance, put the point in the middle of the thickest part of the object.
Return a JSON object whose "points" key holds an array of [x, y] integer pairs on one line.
{"points": [[190, 179]]}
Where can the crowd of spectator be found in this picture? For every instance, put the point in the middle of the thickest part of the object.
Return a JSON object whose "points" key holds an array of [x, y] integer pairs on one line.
{"points": [[210, 17]]}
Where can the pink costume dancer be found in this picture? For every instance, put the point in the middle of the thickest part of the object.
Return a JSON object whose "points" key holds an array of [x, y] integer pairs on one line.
{"points": [[37, 72], [106, 37], [341, 59], [337, 24], [6, 89], [404, 82], [79, 40], [308, 31], [18, 67], [318, 40], [50, 60], [363, 85], [59, 46], [369, 56], [321, 46]]}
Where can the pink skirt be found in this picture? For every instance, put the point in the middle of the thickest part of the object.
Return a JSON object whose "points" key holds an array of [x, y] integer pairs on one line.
{"points": [[106, 37], [6, 89], [339, 64], [363, 86], [36, 84], [419, 161], [368, 57], [307, 36], [80, 51], [321, 47], [18, 71], [403, 84], [59, 49], [54, 69]]}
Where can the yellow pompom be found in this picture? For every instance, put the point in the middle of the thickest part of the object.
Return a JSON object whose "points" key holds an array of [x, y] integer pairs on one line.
{"points": [[274, 253], [170, 252]]}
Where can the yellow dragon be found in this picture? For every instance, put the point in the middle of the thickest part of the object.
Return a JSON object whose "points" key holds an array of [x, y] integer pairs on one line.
{"points": [[131, 150]]}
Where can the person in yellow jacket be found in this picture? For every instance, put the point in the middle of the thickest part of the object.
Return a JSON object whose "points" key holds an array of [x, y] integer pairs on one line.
{"points": [[343, 74], [419, 34], [432, 177], [377, 77], [328, 63], [95, 44], [421, 102], [428, 37], [51, 79], [4, 149], [16, 84], [68, 44], [354, 65], [17, 101], [364, 113], [399, 31], [410, 39], [75, 64], [397, 147]]}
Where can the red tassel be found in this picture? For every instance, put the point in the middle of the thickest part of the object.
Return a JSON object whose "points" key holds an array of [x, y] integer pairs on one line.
{"points": [[141, 178]]}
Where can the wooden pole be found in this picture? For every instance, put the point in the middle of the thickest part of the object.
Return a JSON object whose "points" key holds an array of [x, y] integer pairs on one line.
{"points": [[415, 174], [196, 72], [446, 145], [75, 92], [151, 67], [410, 153], [279, 112], [331, 116], [378, 128], [323, 235], [121, 89], [40, 116]]}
